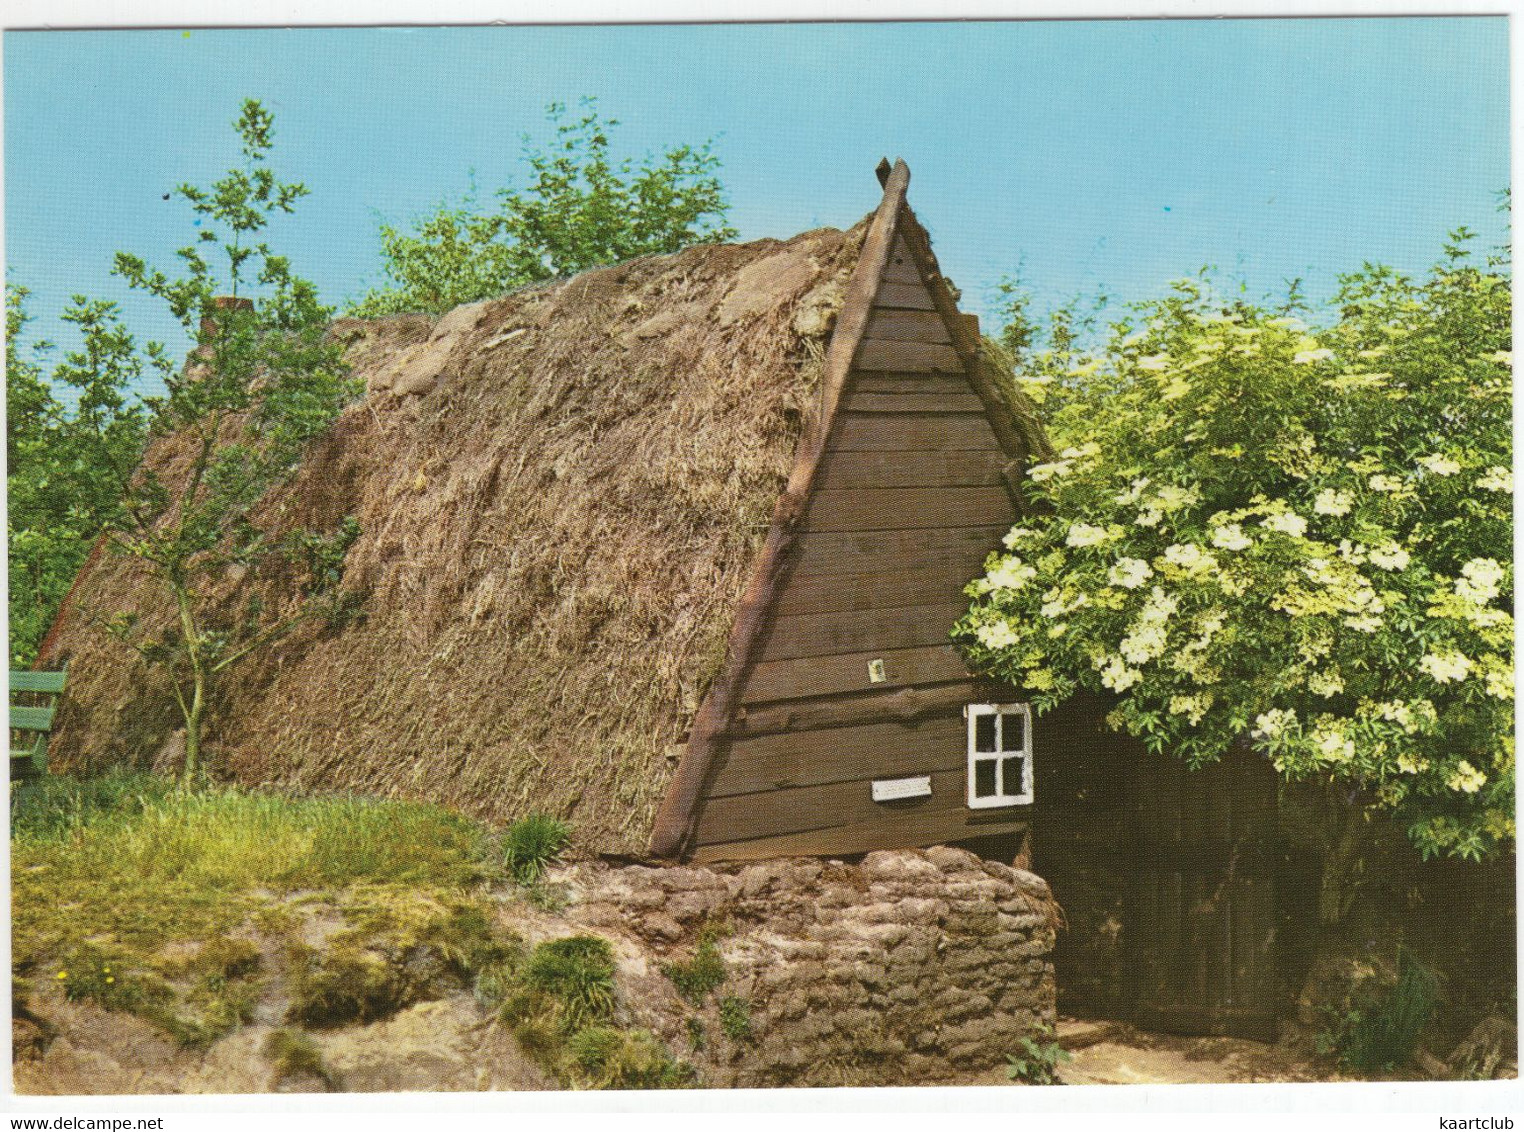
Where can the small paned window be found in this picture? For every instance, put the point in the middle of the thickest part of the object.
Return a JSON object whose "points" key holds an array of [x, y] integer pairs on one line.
{"points": [[999, 755]]}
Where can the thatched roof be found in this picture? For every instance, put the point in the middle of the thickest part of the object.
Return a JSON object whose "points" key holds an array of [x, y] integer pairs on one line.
{"points": [[562, 495]]}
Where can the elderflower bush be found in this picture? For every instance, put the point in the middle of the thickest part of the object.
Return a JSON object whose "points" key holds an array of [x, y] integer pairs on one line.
{"points": [[1295, 538]]}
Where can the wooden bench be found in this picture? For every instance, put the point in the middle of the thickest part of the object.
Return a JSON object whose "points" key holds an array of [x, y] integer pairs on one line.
{"points": [[42, 688]]}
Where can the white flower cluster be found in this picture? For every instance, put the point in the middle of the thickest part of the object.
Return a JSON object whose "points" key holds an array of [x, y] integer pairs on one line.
{"points": [[1440, 464], [1446, 667], [1273, 723], [1332, 502], [1190, 559], [1466, 778], [1496, 478], [1083, 534], [1117, 676], [1193, 707], [1330, 742], [1286, 522], [996, 635], [1390, 557], [1231, 537], [1479, 580], [1129, 573], [1011, 574], [1147, 635]]}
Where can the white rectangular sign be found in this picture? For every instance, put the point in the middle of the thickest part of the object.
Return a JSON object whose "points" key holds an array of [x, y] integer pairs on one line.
{"points": [[892, 788]]}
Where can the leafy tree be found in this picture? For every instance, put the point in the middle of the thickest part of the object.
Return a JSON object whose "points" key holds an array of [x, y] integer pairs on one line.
{"points": [[261, 383], [1300, 539], [67, 466], [582, 209]]}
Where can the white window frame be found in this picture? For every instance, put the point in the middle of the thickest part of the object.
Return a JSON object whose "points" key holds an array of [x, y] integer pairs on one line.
{"points": [[972, 713]]}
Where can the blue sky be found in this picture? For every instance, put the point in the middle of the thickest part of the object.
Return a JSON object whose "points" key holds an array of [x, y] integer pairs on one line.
{"points": [[1090, 154]]}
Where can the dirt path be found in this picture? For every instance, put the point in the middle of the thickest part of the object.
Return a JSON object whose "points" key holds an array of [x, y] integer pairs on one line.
{"points": [[1111, 1053]]}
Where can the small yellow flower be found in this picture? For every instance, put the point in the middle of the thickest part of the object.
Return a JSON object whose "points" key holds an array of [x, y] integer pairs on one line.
{"points": [[111, 978], [62, 975]]}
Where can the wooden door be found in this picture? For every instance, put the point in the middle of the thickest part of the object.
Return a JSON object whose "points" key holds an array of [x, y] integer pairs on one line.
{"points": [[1201, 925]]}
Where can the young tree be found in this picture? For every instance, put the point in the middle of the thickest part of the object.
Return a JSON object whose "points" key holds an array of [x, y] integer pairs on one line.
{"points": [[67, 465], [1257, 532], [582, 209], [261, 383]]}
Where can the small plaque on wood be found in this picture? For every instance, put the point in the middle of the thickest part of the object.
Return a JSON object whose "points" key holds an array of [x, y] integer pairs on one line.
{"points": [[893, 789]]}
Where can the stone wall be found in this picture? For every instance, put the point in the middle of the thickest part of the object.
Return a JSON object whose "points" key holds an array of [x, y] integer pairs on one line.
{"points": [[910, 967]]}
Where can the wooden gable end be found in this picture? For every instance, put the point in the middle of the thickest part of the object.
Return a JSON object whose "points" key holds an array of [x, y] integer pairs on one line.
{"points": [[839, 670], [854, 678]]}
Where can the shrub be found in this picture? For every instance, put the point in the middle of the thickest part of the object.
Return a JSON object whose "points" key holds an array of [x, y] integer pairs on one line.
{"points": [[1038, 1062], [532, 843], [1378, 1028]]}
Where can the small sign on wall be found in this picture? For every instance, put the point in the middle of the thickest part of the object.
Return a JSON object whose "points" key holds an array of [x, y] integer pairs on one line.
{"points": [[876, 673], [893, 789]]}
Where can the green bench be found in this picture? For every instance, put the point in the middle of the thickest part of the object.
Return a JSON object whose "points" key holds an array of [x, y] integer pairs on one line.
{"points": [[36, 717]]}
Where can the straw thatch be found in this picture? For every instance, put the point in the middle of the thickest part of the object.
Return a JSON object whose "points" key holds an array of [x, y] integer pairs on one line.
{"points": [[562, 494]]}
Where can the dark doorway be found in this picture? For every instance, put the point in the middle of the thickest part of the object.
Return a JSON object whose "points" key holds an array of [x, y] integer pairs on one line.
{"points": [[1167, 879], [1200, 923]]}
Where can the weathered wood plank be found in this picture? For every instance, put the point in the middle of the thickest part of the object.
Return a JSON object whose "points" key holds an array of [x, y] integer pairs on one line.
{"points": [[901, 705], [842, 470], [913, 403], [912, 432], [901, 267], [913, 357], [859, 552], [903, 296], [889, 381], [771, 813], [842, 754], [849, 672], [899, 508], [821, 634], [890, 831], [907, 326], [885, 588]]}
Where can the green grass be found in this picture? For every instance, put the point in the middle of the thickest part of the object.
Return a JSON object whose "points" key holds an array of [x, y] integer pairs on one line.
{"points": [[735, 1018], [295, 1054], [577, 974], [698, 976], [533, 843], [606, 1058], [1381, 1031], [138, 858]]}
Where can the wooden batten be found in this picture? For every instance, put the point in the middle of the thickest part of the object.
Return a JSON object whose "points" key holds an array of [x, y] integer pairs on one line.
{"points": [[840, 671]]}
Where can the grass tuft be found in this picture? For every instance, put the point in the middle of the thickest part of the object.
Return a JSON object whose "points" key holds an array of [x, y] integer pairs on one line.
{"points": [[704, 972], [735, 1018], [577, 974], [295, 1054], [533, 843], [607, 1058]]}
